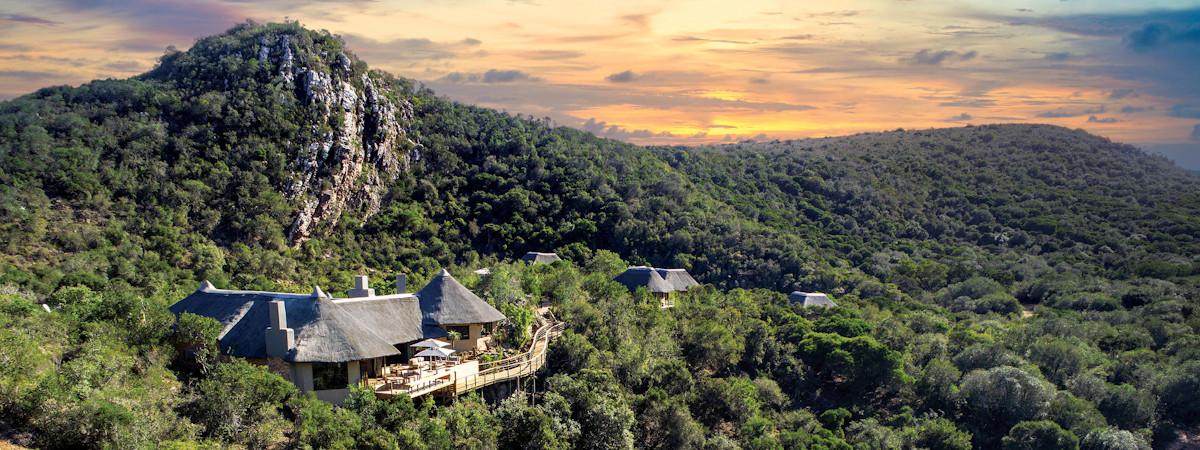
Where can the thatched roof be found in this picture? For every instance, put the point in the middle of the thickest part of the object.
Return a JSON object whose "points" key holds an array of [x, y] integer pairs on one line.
{"points": [[647, 277], [811, 299], [445, 301], [539, 257], [679, 279], [325, 330], [396, 318]]}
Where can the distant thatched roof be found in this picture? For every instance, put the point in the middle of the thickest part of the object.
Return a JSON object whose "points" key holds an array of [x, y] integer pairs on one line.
{"points": [[325, 331], [539, 257], [678, 278], [445, 301], [647, 277], [811, 299]]}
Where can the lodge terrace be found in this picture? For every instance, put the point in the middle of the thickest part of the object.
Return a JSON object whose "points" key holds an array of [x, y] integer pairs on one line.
{"points": [[324, 344]]}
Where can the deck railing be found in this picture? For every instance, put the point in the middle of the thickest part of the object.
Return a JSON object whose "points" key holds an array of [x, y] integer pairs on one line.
{"points": [[512, 367], [490, 372]]}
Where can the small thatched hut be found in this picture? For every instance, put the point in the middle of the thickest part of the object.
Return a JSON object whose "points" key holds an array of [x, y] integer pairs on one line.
{"points": [[448, 304], [638, 277], [811, 299], [540, 258], [679, 279]]}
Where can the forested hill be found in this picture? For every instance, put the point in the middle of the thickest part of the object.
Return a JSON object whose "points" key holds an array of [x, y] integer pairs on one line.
{"points": [[271, 157], [1001, 286]]}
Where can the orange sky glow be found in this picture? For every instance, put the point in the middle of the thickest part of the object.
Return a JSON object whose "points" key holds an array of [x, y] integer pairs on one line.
{"points": [[691, 72]]}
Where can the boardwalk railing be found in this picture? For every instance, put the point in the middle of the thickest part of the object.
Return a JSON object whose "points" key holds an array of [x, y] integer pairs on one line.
{"points": [[512, 367]]}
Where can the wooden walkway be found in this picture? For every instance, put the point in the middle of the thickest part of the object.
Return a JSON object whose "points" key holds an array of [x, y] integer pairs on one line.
{"points": [[511, 368], [462, 381]]}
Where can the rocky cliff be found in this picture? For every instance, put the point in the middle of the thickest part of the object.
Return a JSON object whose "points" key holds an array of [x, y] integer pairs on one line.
{"points": [[353, 140]]}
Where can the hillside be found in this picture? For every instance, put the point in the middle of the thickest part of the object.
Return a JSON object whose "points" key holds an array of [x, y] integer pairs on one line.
{"points": [[270, 157]]}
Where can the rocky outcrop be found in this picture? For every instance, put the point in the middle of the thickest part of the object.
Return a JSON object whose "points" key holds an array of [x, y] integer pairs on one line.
{"points": [[358, 142]]}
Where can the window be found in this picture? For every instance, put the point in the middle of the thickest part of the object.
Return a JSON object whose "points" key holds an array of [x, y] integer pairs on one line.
{"points": [[329, 376], [464, 331]]}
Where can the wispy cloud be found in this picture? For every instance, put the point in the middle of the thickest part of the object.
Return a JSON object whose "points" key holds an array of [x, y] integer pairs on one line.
{"points": [[1072, 112], [624, 76], [490, 77], [937, 57], [21, 18]]}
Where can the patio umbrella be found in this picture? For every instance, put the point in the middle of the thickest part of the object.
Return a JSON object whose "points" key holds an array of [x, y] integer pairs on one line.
{"points": [[436, 353], [431, 343]]}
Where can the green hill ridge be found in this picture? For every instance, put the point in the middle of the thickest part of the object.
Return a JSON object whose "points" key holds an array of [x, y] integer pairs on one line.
{"points": [[997, 285]]}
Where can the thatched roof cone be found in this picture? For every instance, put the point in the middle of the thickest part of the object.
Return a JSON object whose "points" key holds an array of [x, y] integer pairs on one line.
{"points": [[647, 277], [445, 301]]}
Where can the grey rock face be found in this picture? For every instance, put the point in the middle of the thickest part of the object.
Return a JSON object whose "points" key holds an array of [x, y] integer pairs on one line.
{"points": [[358, 143]]}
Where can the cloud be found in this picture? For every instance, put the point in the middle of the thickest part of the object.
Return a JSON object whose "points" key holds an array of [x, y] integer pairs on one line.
{"points": [[1058, 56], [1117, 94], [27, 75], [603, 129], [21, 18], [407, 49], [1196, 132], [124, 66], [641, 20], [1094, 119], [492, 76], [969, 103], [1129, 109], [703, 39], [936, 58], [1154, 35], [14, 47], [1186, 111], [182, 20], [961, 118], [1155, 47], [550, 54], [1065, 112], [760, 80], [622, 77]]}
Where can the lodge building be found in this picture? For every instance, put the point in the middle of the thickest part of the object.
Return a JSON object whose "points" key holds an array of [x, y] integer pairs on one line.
{"points": [[324, 344]]}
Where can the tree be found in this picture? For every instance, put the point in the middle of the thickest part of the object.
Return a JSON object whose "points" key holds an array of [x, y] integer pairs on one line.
{"points": [[1180, 395], [1039, 435], [667, 424], [998, 398], [319, 425], [195, 338], [1126, 407], [937, 434], [238, 398], [527, 427], [1112, 439]]}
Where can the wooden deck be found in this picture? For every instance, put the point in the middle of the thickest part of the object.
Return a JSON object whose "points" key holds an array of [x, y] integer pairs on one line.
{"points": [[471, 375]]}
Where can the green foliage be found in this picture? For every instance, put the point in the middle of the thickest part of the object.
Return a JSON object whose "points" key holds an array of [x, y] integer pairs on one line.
{"points": [[1039, 435], [1112, 439], [998, 398], [240, 402]]}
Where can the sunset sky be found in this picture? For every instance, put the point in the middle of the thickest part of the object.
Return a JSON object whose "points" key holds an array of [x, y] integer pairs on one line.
{"points": [[689, 72]]}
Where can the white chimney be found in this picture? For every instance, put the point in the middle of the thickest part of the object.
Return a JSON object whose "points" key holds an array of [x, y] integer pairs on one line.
{"points": [[280, 338], [361, 288], [401, 284]]}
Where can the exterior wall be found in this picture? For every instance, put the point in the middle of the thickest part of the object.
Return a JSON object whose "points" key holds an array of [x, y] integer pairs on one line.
{"points": [[302, 376], [337, 396], [473, 341]]}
